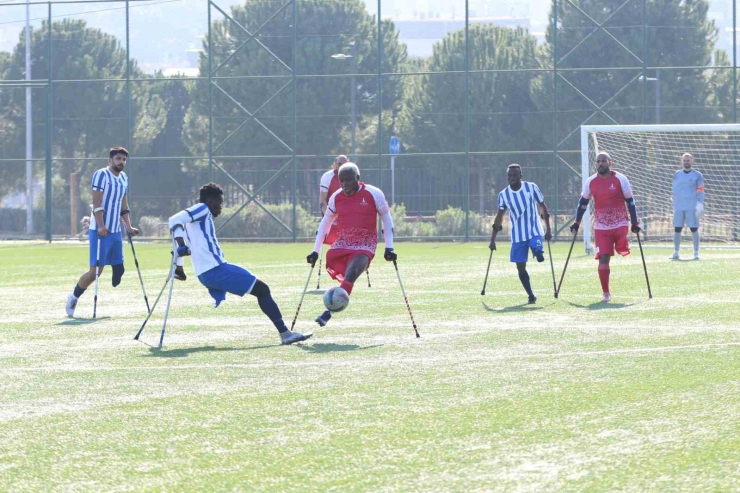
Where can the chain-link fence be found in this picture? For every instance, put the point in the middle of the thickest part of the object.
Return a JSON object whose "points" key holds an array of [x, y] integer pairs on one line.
{"points": [[260, 95]]}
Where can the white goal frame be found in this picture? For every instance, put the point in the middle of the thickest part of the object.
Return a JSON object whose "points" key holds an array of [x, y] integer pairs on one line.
{"points": [[586, 165]]}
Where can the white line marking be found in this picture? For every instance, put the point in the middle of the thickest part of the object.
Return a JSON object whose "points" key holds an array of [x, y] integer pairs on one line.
{"points": [[424, 359]]}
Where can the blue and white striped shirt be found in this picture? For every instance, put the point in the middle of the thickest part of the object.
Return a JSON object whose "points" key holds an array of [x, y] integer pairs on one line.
{"points": [[200, 237], [522, 207], [114, 188]]}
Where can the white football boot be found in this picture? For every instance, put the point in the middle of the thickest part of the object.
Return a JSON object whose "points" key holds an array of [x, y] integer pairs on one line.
{"points": [[71, 305]]}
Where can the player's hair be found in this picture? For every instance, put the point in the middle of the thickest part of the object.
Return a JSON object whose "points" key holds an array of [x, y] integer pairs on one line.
{"points": [[341, 159], [210, 190], [514, 166], [349, 167], [117, 150], [686, 154], [604, 153]]}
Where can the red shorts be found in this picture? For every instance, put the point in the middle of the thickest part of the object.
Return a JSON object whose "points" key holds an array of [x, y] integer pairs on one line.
{"points": [[338, 259], [609, 240]]}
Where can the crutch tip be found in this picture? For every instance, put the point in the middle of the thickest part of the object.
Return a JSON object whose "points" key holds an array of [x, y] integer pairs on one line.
{"points": [[482, 293]]}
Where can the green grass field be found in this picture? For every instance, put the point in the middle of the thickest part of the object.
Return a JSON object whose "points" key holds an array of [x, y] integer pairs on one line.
{"points": [[567, 394]]}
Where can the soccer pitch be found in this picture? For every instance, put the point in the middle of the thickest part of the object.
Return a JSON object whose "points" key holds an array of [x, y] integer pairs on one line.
{"points": [[567, 394]]}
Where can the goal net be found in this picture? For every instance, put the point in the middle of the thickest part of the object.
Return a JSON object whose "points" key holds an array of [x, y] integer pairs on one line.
{"points": [[649, 155]]}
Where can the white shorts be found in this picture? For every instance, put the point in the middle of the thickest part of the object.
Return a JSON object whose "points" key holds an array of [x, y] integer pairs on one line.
{"points": [[688, 218]]}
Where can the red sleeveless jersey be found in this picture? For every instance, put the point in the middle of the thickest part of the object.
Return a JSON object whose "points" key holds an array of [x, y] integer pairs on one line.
{"points": [[356, 218], [609, 194]]}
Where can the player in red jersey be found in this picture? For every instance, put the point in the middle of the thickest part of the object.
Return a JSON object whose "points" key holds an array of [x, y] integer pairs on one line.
{"points": [[355, 207], [610, 190], [330, 184]]}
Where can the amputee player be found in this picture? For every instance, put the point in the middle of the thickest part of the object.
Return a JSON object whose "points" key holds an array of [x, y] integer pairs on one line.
{"points": [[209, 263], [610, 191], [355, 207], [523, 200], [688, 204], [110, 207]]}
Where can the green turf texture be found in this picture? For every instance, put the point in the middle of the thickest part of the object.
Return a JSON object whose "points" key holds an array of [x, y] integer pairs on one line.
{"points": [[567, 395]]}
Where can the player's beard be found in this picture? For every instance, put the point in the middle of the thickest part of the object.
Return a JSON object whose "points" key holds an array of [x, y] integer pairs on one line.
{"points": [[603, 170]]}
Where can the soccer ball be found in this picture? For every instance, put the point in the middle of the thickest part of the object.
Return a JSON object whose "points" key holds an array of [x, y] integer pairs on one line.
{"points": [[336, 299]]}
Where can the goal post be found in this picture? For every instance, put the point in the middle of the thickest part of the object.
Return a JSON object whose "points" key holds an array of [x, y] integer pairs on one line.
{"points": [[650, 155]]}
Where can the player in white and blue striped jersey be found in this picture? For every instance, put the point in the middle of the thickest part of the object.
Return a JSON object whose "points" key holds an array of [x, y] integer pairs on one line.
{"points": [[523, 200], [688, 203], [195, 235], [110, 207]]}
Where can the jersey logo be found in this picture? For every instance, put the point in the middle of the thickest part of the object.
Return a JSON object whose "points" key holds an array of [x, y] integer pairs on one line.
{"points": [[363, 201], [611, 186]]}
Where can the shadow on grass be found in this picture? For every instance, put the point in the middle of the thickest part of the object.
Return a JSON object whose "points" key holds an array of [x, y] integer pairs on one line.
{"points": [[601, 306], [316, 291], [524, 307], [82, 321], [331, 348], [185, 352]]}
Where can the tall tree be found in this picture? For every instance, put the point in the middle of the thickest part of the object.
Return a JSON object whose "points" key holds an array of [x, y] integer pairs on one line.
{"points": [[501, 104], [90, 113], [678, 34], [325, 28]]}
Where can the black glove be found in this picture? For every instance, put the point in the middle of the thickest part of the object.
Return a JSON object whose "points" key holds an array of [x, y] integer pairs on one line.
{"points": [[574, 227], [636, 228], [548, 236], [390, 255], [312, 258], [492, 245]]}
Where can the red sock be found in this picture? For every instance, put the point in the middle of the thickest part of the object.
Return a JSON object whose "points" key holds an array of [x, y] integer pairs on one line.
{"points": [[604, 277], [347, 286]]}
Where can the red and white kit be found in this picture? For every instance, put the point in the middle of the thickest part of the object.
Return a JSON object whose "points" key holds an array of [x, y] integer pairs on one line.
{"points": [[330, 184], [611, 220], [355, 226]]}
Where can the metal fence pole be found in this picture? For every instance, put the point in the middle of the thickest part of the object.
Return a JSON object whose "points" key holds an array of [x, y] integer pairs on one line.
{"points": [[380, 98], [128, 84], [734, 61], [555, 126], [210, 95], [644, 61], [294, 191], [48, 127], [467, 120]]}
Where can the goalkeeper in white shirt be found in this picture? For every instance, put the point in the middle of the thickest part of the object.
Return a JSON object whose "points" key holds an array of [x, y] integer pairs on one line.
{"points": [[688, 203]]}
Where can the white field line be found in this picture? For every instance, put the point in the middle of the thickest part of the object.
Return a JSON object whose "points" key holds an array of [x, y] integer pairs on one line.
{"points": [[425, 360]]}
